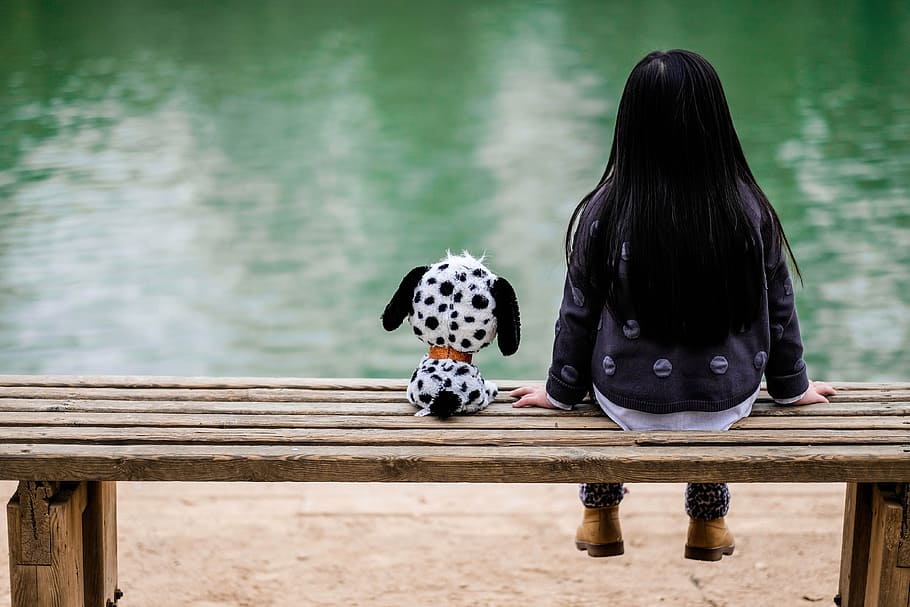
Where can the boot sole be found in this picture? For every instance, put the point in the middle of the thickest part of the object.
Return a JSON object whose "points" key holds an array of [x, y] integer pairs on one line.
{"points": [[708, 554], [599, 550]]}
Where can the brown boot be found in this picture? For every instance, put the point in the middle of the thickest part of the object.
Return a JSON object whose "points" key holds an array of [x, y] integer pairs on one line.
{"points": [[708, 540], [599, 532]]}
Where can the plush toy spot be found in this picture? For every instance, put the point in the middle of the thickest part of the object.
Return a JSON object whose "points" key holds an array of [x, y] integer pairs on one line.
{"points": [[462, 369], [469, 319], [462, 276], [426, 398], [431, 281], [442, 307], [446, 288], [417, 297], [479, 273], [458, 297], [465, 343], [417, 332], [440, 341], [443, 266], [453, 326], [473, 395], [420, 384], [451, 338], [431, 322], [480, 334], [454, 314], [480, 302], [429, 300]]}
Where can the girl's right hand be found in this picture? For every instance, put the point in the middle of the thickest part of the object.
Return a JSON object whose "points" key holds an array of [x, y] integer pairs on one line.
{"points": [[816, 393], [531, 397]]}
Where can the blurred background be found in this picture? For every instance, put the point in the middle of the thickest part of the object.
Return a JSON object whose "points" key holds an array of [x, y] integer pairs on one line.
{"points": [[236, 188]]}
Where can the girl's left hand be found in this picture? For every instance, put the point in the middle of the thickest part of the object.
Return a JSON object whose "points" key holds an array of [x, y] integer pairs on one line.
{"points": [[816, 393], [531, 397]]}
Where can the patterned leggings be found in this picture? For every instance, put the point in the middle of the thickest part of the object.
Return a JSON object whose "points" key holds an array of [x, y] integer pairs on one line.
{"points": [[704, 501]]}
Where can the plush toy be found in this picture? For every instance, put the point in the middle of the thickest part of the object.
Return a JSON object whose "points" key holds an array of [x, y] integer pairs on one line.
{"points": [[456, 306]]}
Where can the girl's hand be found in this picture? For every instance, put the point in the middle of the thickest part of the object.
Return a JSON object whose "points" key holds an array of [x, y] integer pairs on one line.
{"points": [[531, 397], [816, 393]]}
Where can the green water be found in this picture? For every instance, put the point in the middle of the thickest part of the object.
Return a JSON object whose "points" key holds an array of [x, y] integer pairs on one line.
{"points": [[237, 188]]}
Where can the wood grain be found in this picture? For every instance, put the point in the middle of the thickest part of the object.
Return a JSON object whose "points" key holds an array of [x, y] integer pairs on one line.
{"points": [[887, 584], [516, 421], [356, 437], [23, 578], [348, 395], [99, 537], [846, 409], [35, 522], [159, 381], [741, 463]]}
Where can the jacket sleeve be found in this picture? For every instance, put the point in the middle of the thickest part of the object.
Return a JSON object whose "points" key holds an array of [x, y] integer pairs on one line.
{"points": [[569, 377], [785, 373]]}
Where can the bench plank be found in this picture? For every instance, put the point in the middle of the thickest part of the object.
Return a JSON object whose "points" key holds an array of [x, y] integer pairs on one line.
{"points": [[842, 407], [740, 463], [166, 381], [444, 436], [299, 395], [565, 422]]}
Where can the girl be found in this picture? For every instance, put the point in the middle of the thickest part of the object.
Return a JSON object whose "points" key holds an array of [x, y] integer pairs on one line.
{"points": [[677, 297]]}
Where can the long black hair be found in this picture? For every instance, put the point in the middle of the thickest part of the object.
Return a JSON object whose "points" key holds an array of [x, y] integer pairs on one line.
{"points": [[672, 203]]}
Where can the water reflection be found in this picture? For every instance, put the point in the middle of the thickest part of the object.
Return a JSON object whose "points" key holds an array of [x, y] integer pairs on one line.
{"points": [[239, 191]]}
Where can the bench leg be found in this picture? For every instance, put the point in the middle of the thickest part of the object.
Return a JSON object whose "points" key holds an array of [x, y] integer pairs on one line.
{"points": [[855, 544], [45, 529], [62, 543], [99, 528], [875, 566], [888, 582]]}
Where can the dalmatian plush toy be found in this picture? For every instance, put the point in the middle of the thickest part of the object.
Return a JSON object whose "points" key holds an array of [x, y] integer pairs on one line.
{"points": [[456, 306]]}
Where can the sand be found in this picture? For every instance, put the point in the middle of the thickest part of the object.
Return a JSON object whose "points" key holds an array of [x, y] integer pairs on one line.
{"points": [[217, 544]]}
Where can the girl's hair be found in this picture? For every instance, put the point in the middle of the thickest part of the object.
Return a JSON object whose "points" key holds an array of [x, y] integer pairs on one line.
{"points": [[672, 201]]}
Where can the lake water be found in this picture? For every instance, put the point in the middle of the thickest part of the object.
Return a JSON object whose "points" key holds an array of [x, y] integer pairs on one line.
{"points": [[236, 188]]}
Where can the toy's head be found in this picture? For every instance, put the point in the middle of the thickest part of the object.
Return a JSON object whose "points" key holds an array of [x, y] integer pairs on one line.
{"points": [[457, 303]]}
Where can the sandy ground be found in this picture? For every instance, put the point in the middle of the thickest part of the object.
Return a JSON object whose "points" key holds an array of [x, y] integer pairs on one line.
{"points": [[215, 544]]}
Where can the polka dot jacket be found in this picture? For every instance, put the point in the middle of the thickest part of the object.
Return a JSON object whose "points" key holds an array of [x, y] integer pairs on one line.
{"points": [[456, 307], [593, 348]]}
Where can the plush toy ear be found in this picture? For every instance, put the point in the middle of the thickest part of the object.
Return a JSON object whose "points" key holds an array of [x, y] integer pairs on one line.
{"points": [[507, 319], [400, 305]]}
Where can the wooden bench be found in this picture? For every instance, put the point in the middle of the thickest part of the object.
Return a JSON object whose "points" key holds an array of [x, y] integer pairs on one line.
{"points": [[69, 439]]}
